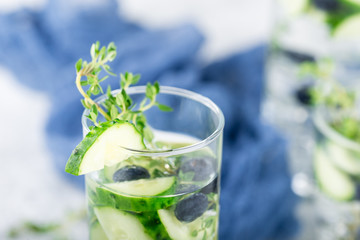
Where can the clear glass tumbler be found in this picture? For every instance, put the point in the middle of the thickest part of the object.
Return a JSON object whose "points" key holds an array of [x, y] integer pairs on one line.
{"points": [[307, 31], [179, 197], [336, 167]]}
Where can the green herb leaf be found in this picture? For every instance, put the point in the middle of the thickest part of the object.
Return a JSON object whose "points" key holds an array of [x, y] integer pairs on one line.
{"points": [[102, 53], [136, 79], [204, 236], [119, 106], [84, 104], [84, 83], [107, 69], [163, 107], [194, 233], [149, 91], [208, 222], [157, 87], [94, 109], [97, 47], [114, 112], [78, 65], [120, 101], [92, 50], [148, 134]]}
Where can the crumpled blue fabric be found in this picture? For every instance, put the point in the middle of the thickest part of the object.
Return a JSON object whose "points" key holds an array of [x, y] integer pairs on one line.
{"points": [[41, 47]]}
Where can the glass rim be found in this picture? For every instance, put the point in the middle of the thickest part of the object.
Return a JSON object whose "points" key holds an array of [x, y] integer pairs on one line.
{"points": [[170, 91], [322, 125]]}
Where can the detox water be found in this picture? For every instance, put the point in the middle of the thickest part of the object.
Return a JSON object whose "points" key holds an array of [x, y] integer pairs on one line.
{"points": [[187, 206]]}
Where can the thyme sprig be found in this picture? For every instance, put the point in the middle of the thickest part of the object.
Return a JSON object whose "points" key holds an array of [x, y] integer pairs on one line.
{"points": [[120, 105]]}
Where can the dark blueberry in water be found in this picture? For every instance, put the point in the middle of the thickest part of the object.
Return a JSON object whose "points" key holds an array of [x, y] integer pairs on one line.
{"points": [[327, 5], [211, 187], [303, 95], [192, 207], [186, 188], [201, 167], [129, 173], [299, 57]]}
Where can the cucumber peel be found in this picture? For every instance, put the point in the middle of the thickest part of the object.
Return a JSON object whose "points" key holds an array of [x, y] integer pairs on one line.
{"points": [[139, 195], [103, 145], [178, 230], [335, 183], [348, 29], [120, 225], [345, 159], [143, 187], [153, 227]]}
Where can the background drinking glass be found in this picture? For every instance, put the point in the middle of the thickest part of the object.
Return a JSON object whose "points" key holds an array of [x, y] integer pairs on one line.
{"points": [[307, 32], [336, 174]]}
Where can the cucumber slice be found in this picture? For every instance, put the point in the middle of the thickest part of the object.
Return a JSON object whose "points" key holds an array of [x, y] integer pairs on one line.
{"points": [[335, 183], [344, 159], [143, 187], [103, 146], [348, 29], [120, 225], [97, 232], [139, 195], [176, 229], [190, 231], [153, 226]]}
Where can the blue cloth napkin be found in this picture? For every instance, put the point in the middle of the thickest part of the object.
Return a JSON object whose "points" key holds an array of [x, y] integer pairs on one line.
{"points": [[42, 47]]}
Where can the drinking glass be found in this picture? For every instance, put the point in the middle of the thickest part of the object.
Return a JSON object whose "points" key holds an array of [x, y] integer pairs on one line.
{"points": [[187, 159], [303, 32], [336, 168]]}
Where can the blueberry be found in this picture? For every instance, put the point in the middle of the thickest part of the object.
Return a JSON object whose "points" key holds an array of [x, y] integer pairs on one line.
{"points": [[298, 57], [202, 168], [211, 187], [192, 207], [327, 5], [303, 95], [129, 173]]}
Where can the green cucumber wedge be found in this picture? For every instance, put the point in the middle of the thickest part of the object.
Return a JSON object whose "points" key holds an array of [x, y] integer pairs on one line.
{"points": [[120, 225], [104, 145], [97, 232], [176, 229], [348, 29], [138, 195], [347, 160], [143, 187], [154, 227], [179, 231], [333, 182]]}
